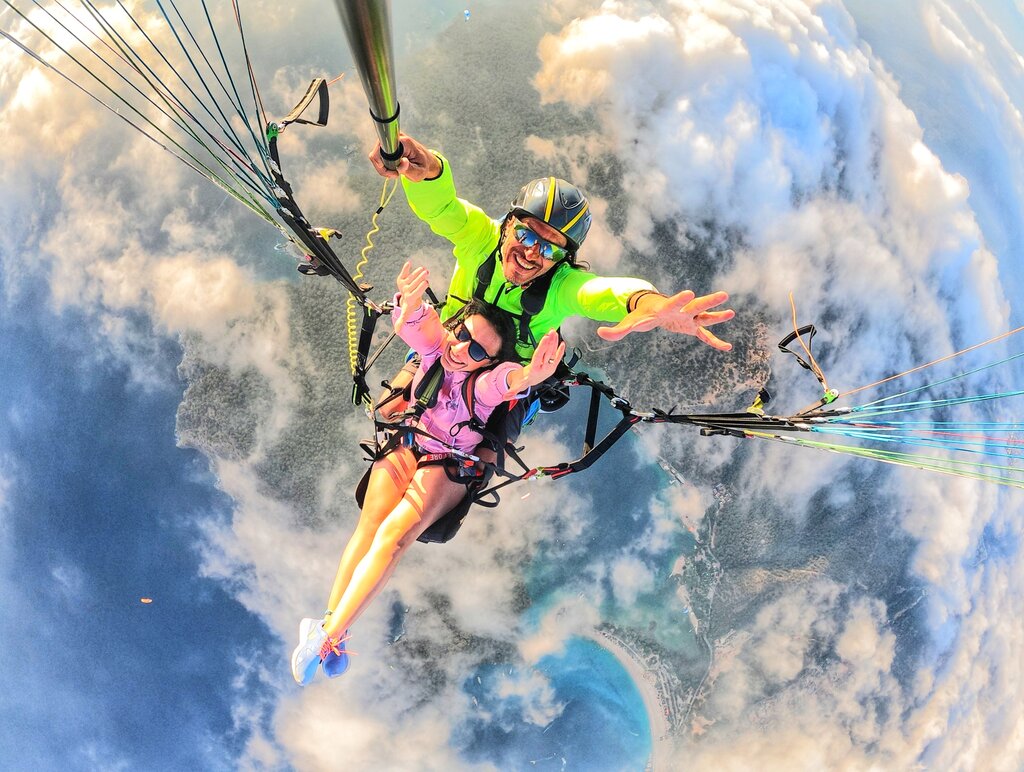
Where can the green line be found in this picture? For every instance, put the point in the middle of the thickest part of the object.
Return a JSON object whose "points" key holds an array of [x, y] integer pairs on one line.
{"points": [[908, 407], [928, 463], [181, 113], [945, 380], [198, 166]]}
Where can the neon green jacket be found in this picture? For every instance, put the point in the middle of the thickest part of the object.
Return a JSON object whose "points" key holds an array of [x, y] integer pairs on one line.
{"points": [[573, 291]]}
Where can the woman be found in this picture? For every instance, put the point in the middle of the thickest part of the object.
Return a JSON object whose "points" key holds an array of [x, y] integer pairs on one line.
{"points": [[410, 488]]}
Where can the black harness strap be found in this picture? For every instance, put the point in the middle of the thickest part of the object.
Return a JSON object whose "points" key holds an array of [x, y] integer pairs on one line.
{"points": [[317, 88], [424, 397], [591, 432], [534, 296], [364, 359], [810, 331], [829, 395], [492, 431], [429, 388], [484, 274], [360, 389], [288, 210]]}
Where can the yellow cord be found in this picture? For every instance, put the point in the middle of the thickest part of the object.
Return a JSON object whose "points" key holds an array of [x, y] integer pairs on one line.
{"points": [[350, 304]]}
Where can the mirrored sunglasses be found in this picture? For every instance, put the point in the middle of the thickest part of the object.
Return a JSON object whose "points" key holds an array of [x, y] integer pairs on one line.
{"points": [[528, 238]]}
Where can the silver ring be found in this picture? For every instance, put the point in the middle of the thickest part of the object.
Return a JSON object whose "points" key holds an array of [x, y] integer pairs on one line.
{"points": [[551, 361]]}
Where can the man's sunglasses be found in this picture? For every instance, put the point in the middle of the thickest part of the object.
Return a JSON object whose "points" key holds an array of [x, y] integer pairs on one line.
{"points": [[528, 238], [476, 351]]}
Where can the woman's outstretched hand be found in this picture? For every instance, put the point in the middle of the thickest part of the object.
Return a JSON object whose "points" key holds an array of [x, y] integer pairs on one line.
{"points": [[545, 361], [412, 283]]}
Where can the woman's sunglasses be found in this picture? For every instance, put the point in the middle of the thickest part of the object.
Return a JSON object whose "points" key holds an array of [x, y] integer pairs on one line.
{"points": [[547, 250], [476, 351]]}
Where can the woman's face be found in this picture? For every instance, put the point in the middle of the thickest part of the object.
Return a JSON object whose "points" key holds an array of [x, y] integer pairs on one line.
{"points": [[473, 344]]}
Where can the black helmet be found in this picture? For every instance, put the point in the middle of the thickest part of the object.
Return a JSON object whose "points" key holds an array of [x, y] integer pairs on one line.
{"points": [[558, 203]]}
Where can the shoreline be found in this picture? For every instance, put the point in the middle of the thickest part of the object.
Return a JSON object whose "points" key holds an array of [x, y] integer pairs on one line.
{"points": [[662, 745]]}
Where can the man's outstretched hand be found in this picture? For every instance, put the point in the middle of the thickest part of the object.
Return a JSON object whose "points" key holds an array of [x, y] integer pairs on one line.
{"points": [[682, 313]]}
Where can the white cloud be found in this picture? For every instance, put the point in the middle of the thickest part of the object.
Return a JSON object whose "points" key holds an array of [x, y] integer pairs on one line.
{"points": [[567, 618], [630, 576], [533, 694], [320, 731], [5, 483], [784, 708], [69, 583]]}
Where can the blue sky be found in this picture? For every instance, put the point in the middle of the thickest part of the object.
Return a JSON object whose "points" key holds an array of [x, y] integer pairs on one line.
{"points": [[173, 425], [100, 510]]}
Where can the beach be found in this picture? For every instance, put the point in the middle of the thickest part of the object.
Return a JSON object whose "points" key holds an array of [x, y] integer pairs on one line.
{"points": [[658, 712]]}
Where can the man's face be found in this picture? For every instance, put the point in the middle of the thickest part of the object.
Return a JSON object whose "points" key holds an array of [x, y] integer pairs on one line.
{"points": [[521, 264]]}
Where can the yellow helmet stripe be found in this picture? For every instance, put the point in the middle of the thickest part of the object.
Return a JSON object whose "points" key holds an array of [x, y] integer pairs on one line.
{"points": [[551, 199], [572, 222]]}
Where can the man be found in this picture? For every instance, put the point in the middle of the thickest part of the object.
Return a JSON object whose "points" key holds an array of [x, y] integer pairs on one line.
{"points": [[526, 263]]}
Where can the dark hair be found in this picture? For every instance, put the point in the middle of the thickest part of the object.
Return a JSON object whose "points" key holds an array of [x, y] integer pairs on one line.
{"points": [[501, 320]]}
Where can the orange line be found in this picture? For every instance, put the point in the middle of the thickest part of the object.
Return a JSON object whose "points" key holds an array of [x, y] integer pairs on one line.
{"points": [[814, 365], [942, 359]]}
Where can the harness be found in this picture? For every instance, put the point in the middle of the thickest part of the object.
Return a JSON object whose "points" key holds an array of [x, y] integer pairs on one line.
{"points": [[404, 431], [553, 394], [532, 300], [463, 468]]}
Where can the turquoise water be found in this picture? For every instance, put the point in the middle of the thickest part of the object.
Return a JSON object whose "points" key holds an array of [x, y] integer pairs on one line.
{"points": [[601, 721], [605, 712], [602, 724]]}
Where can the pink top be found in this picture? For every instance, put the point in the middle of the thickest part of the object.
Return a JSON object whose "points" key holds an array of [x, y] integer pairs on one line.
{"points": [[425, 334]]}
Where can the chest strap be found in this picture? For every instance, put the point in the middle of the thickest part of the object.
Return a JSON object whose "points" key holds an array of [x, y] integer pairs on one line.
{"points": [[532, 300]]}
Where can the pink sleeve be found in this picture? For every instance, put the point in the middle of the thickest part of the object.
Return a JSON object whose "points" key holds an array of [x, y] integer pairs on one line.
{"points": [[492, 385], [422, 331]]}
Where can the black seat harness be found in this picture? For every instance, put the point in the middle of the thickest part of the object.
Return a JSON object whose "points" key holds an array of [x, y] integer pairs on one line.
{"points": [[460, 467]]}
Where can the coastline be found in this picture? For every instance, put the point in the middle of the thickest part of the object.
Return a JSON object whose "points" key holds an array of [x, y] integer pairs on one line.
{"points": [[662, 744]]}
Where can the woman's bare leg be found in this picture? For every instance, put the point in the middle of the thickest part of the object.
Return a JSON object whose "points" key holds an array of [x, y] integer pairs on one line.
{"points": [[429, 496], [389, 479]]}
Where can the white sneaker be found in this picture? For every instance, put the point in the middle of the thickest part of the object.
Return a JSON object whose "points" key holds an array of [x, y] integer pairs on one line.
{"points": [[306, 657]]}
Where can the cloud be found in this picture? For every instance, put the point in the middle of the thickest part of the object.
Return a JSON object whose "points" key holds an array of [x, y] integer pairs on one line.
{"points": [[566, 619], [771, 122], [630, 576], [772, 680], [533, 695], [318, 732], [781, 148], [5, 483], [278, 569], [70, 583]]}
